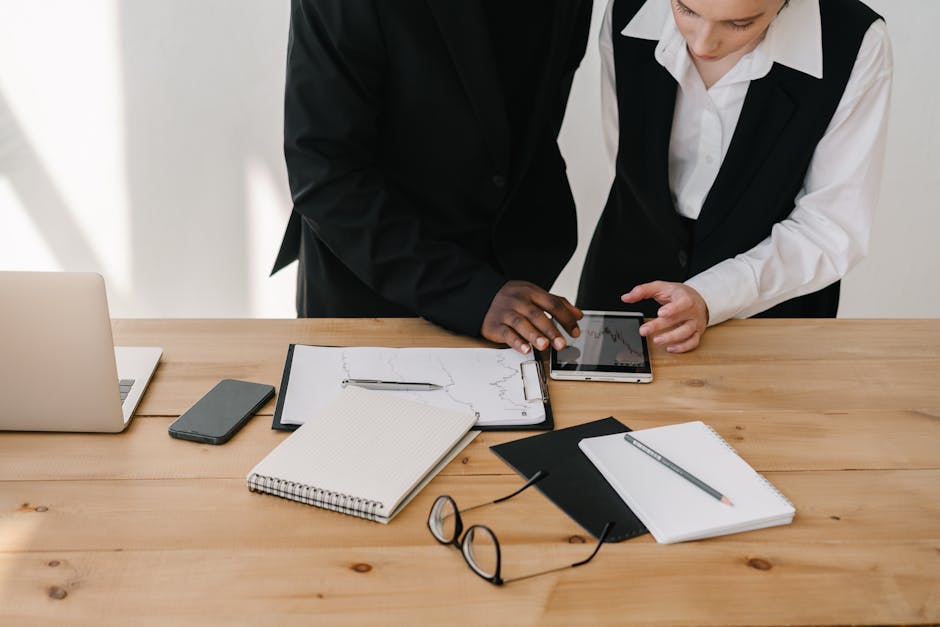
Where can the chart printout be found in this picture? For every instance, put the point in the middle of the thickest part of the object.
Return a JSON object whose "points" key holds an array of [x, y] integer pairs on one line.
{"points": [[485, 382]]}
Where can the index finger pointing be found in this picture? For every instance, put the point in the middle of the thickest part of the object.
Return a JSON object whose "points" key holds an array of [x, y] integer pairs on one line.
{"points": [[644, 291], [562, 311]]}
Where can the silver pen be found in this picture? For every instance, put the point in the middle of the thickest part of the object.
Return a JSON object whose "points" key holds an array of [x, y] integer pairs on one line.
{"points": [[375, 384]]}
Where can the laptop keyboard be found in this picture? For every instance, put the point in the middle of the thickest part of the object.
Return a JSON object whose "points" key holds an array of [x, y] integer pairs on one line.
{"points": [[126, 385]]}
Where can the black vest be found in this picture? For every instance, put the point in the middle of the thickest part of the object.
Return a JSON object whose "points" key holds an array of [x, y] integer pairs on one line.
{"points": [[640, 237]]}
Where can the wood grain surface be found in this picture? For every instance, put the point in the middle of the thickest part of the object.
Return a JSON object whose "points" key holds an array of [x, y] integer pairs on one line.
{"points": [[843, 416]]}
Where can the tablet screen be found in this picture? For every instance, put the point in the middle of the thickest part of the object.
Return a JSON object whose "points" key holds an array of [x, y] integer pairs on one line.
{"points": [[608, 343]]}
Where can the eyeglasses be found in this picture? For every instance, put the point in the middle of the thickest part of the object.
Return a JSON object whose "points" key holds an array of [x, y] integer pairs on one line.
{"points": [[478, 544]]}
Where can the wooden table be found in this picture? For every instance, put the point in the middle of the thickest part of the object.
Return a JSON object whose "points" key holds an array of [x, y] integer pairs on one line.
{"points": [[842, 415]]}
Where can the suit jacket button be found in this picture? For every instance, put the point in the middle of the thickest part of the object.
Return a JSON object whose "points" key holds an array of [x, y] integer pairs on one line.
{"points": [[683, 258], [499, 180]]}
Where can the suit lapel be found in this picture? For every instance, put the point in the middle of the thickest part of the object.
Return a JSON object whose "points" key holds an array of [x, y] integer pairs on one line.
{"points": [[659, 102], [468, 41], [765, 114]]}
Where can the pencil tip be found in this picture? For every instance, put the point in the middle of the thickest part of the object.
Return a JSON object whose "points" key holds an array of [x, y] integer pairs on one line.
{"points": [[727, 501]]}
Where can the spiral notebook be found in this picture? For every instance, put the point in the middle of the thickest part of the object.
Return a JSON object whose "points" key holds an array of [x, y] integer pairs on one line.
{"points": [[672, 508], [366, 454]]}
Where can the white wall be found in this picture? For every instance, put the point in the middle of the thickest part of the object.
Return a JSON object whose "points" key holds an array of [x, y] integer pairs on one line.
{"points": [[142, 139], [900, 276]]}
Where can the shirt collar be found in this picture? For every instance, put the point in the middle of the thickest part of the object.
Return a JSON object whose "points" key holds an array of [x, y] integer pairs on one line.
{"points": [[794, 38]]}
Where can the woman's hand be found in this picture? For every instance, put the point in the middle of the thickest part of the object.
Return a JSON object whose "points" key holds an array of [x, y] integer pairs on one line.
{"points": [[682, 319]]}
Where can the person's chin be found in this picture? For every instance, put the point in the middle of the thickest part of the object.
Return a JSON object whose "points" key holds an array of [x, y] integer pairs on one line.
{"points": [[706, 57]]}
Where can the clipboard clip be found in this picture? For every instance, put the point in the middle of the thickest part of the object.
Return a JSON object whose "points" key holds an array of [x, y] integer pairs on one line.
{"points": [[535, 369]]}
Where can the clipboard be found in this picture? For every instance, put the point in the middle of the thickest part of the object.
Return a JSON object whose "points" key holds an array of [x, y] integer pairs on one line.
{"points": [[529, 388]]}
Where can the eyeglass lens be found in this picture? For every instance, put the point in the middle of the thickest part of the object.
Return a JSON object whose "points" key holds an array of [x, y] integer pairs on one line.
{"points": [[443, 520], [481, 551]]}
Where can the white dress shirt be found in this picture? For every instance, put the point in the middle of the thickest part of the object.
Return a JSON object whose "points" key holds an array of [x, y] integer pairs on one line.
{"points": [[828, 230]]}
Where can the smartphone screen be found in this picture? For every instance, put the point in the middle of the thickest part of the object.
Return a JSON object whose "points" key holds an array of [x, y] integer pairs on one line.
{"points": [[218, 415]]}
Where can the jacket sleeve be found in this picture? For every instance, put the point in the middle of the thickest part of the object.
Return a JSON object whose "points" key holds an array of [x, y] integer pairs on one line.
{"points": [[337, 68], [575, 53]]}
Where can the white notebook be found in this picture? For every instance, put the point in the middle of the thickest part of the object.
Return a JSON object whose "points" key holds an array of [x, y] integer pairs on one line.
{"points": [[366, 453], [671, 507]]}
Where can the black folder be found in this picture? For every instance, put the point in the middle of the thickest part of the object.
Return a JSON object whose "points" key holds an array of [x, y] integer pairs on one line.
{"points": [[573, 483]]}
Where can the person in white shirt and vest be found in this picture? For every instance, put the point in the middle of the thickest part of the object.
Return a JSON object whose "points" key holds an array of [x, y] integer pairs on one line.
{"points": [[749, 139]]}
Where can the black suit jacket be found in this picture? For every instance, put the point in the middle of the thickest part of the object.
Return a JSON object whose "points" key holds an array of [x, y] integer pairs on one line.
{"points": [[408, 198]]}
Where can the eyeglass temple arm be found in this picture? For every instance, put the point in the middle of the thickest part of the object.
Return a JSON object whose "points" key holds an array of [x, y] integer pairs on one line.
{"points": [[538, 476], [600, 542]]}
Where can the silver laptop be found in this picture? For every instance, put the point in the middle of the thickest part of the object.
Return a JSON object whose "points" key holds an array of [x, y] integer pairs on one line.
{"points": [[59, 368]]}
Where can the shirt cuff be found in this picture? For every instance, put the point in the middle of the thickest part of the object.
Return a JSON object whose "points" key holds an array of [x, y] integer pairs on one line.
{"points": [[727, 287]]}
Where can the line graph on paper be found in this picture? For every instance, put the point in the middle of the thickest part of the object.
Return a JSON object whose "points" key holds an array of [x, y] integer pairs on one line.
{"points": [[484, 382], [605, 342]]}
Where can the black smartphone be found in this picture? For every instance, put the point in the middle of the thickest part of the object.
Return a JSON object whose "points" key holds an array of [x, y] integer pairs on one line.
{"points": [[218, 415]]}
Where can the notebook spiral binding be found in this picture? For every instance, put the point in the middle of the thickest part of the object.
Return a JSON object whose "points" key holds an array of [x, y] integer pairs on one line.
{"points": [[721, 439], [763, 479], [310, 495]]}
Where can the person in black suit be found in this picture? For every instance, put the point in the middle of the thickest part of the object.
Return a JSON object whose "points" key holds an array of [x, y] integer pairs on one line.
{"points": [[420, 140]]}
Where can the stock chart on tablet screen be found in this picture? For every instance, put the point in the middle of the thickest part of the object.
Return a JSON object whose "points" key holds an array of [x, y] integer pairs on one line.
{"points": [[605, 341]]}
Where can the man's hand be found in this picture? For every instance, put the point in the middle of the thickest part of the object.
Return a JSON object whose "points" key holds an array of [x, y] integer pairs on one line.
{"points": [[683, 316], [517, 317]]}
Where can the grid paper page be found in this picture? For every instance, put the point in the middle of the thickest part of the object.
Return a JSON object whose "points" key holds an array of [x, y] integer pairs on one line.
{"points": [[369, 445]]}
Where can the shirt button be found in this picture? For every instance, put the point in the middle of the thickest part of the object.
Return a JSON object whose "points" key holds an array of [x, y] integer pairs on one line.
{"points": [[499, 180], [709, 159], [683, 258]]}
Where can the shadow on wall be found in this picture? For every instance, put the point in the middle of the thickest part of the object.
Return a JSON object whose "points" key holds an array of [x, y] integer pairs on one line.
{"points": [[23, 168], [203, 88]]}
